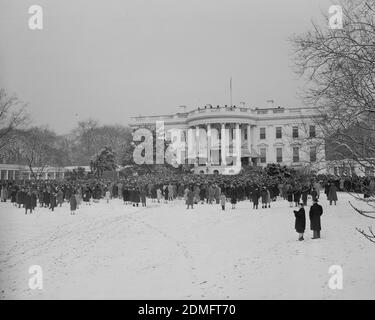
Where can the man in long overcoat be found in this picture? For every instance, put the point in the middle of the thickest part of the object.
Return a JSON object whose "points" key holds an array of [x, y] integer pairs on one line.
{"points": [[332, 194], [315, 213], [300, 223]]}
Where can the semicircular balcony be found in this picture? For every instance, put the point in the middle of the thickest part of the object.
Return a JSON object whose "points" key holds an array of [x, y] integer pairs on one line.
{"points": [[213, 115]]}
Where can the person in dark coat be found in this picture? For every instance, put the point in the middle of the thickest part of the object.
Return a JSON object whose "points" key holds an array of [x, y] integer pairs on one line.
{"points": [[190, 199], [60, 197], [315, 213], [28, 202], [264, 196], [153, 193], [13, 196], [255, 195], [46, 198], [115, 191], [326, 189], [68, 193], [136, 197], [289, 196], [125, 195], [300, 223], [143, 196], [166, 194], [20, 197], [332, 194], [296, 196], [202, 194], [52, 200], [33, 199], [73, 204], [305, 192], [233, 197]]}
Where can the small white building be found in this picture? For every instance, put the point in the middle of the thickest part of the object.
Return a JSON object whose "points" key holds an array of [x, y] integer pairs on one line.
{"points": [[23, 172]]}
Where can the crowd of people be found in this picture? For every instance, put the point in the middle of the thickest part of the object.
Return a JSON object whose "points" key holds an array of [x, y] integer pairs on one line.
{"points": [[258, 187]]}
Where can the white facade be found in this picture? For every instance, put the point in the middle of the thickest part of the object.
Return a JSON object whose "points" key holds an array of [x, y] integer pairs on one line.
{"points": [[349, 167], [272, 135], [22, 172]]}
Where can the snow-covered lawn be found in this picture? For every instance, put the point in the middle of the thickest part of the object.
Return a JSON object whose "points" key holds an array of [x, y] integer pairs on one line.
{"points": [[165, 251]]}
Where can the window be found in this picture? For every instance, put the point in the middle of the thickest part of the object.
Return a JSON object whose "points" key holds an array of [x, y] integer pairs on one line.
{"points": [[245, 134], [263, 152], [262, 133], [279, 155], [312, 132], [295, 154], [312, 154], [295, 132], [278, 133]]}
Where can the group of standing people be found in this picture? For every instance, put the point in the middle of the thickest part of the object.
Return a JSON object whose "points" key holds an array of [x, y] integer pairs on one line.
{"points": [[194, 189], [316, 211]]}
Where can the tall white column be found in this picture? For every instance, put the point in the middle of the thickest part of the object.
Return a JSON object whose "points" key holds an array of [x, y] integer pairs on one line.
{"points": [[238, 145], [222, 146], [249, 140], [191, 146], [6, 174], [197, 145], [209, 144]]}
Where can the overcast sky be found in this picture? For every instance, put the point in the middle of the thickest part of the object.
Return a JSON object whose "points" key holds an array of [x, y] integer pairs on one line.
{"points": [[113, 59]]}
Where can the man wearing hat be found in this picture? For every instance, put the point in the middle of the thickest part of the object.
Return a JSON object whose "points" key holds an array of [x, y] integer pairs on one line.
{"points": [[315, 213]]}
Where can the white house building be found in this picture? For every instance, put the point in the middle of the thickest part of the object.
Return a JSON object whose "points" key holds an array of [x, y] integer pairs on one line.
{"points": [[256, 136]]}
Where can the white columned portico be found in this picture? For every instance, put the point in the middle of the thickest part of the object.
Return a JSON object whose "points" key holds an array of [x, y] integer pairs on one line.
{"points": [[222, 146]]}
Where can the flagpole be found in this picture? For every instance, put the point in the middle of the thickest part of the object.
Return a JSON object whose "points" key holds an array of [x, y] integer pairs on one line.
{"points": [[230, 91]]}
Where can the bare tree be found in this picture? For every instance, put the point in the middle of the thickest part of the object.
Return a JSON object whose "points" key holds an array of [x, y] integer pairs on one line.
{"points": [[12, 116], [339, 65], [88, 139], [37, 147]]}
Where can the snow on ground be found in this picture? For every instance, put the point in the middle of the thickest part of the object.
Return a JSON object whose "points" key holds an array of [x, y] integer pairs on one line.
{"points": [[113, 251]]}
